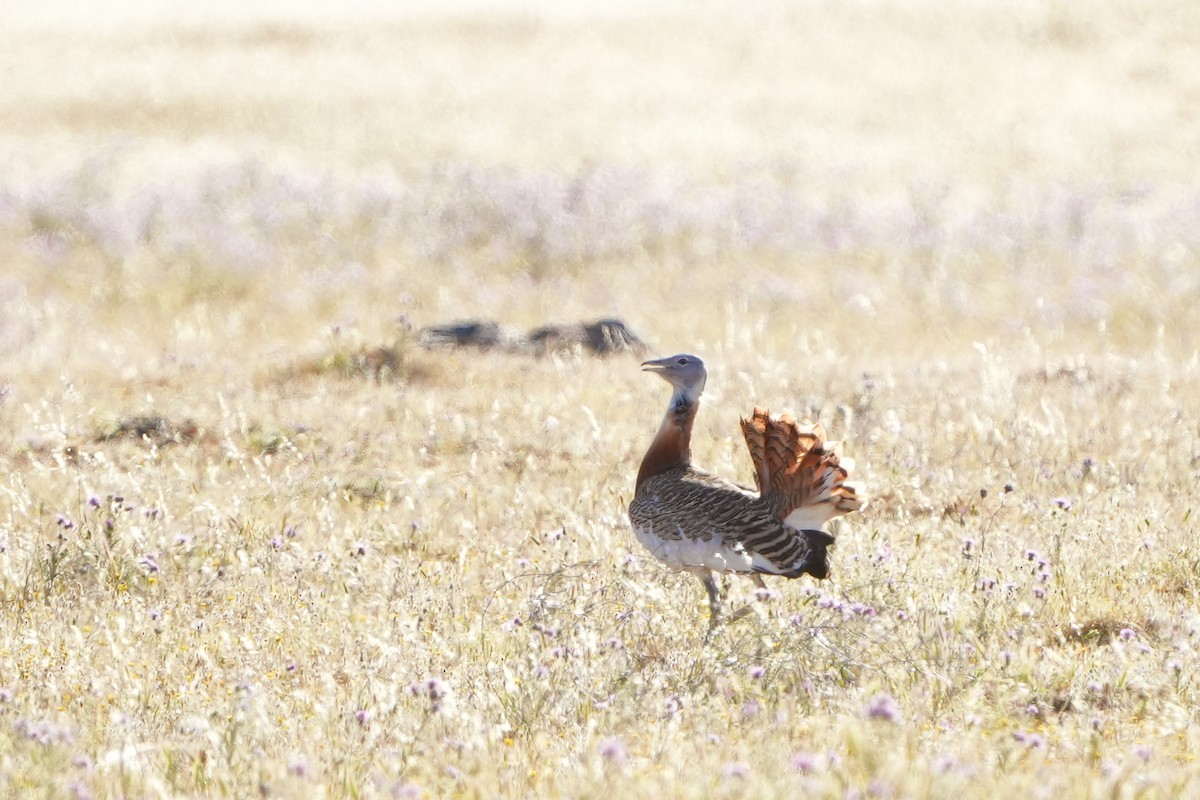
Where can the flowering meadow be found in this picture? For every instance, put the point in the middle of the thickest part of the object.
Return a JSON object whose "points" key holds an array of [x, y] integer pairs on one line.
{"points": [[256, 539]]}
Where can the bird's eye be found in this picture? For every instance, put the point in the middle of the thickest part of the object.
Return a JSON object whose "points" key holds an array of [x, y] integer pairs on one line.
{"points": [[682, 362]]}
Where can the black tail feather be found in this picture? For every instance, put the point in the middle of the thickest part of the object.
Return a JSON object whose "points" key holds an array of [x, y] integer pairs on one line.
{"points": [[817, 561]]}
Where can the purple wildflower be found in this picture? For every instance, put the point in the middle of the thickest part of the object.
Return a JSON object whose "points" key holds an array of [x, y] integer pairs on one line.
{"points": [[766, 595], [439, 692], [44, 732], [612, 749], [407, 791], [804, 762], [827, 601], [883, 706], [1031, 740], [862, 610]]}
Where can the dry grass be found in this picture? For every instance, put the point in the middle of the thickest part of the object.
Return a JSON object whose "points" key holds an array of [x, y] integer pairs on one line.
{"points": [[255, 539]]}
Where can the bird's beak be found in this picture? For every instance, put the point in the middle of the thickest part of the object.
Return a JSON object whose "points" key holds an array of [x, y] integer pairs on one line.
{"points": [[656, 365]]}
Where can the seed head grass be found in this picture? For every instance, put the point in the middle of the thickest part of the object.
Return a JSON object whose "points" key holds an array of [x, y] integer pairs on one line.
{"points": [[257, 539]]}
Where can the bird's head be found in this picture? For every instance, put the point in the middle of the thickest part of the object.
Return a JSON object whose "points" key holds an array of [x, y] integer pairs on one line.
{"points": [[685, 372]]}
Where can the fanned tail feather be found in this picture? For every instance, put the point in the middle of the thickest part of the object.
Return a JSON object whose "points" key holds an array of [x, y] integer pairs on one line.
{"points": [[802, 478]]}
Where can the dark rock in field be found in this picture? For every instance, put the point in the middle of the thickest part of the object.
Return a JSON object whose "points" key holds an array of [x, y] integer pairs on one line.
{"points": [[612, 336], [602, 337], [482, 333], [154, 428]]}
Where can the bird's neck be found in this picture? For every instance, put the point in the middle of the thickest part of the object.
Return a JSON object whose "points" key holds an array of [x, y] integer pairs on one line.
{"points": [[672, 445]]}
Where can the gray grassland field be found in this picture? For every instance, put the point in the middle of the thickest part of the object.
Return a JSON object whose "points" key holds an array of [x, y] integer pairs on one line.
{"points": [[255, 539]]}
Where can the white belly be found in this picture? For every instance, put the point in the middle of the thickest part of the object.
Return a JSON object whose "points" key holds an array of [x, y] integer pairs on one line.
{"points": [[695, 554]]}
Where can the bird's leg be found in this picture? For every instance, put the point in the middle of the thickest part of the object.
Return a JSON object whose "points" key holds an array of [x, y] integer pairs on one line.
{"points": [[714, 599], [744, 610], [714, 593]]}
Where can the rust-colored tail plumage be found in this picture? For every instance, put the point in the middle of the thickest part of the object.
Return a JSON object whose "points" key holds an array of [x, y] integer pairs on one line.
{"points": [[802, 478]]}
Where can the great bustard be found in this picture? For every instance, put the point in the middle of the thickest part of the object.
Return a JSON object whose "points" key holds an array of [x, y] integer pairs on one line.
{"points": [[695, 521]]}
